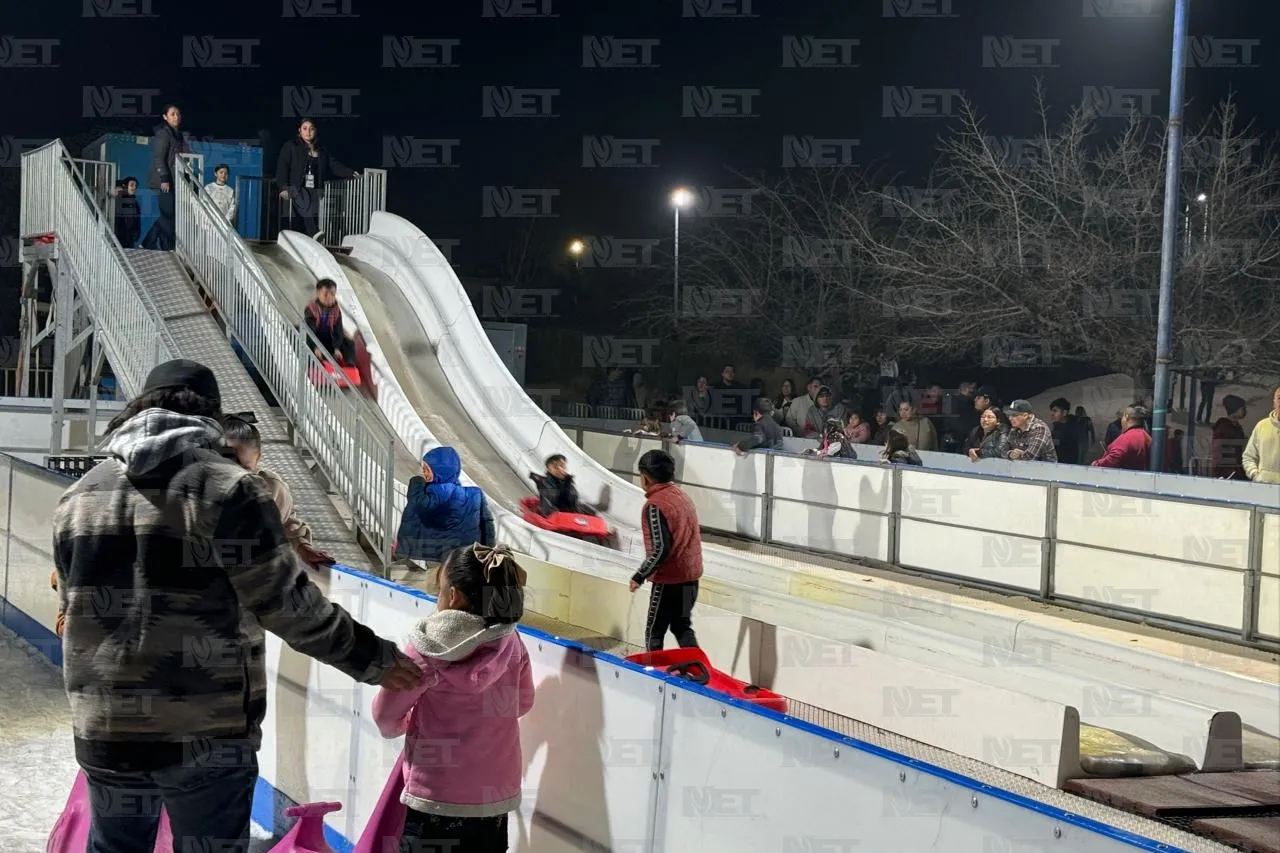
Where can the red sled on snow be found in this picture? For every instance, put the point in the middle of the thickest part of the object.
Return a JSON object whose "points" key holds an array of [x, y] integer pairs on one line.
{"points": [[576, 524], [693, 665], [346, 377], [71, 833]]}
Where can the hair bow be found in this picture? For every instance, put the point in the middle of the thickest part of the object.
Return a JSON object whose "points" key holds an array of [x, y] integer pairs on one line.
{"points": [[492, 557]]}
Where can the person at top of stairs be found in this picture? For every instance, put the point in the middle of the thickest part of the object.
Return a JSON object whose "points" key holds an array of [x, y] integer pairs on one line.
{"points": [[243, 438], [324, 319], [222, 194]]}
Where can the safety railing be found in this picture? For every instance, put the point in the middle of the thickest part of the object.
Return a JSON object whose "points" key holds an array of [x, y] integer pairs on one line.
{"points": [[344, 208], [1202, 566], [56, 199], [352, 445], [40, 382], [99, 179]]}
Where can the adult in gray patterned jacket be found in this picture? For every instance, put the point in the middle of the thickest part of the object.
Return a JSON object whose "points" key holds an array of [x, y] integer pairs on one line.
{"points": [[171, 559]]}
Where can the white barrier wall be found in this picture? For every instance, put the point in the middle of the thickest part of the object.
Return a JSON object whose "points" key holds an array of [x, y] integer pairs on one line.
{"points": [[1196, 563]]}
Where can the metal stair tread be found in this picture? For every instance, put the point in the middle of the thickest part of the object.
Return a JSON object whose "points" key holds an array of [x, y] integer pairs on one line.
{"points": [[160, 267]]}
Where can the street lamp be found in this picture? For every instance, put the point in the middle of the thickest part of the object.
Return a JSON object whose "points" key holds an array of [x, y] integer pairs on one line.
{"points": [[680, 198], [576, 248], [1173, 162]]}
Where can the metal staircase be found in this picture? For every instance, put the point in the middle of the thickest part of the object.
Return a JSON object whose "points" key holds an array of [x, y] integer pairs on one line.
{"points": [[144, 307]]}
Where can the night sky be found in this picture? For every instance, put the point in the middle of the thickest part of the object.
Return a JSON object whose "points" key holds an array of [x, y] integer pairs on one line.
{"points": [[805, 69]]}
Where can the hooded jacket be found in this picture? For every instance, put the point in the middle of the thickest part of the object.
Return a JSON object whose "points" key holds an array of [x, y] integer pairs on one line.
{"points": [[128, 219], [461, 725], [685, 428], [443, 514], [1131, 450], [919, 432], [171, 560], [166, 144], [1261, 456], [1228, 449], [766, 434]]}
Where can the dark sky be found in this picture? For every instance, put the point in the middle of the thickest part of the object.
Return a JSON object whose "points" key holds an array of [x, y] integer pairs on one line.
{"points": [[341, 46]]}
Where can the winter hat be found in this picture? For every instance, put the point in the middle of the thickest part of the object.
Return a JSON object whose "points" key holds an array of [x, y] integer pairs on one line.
{"points": [[182, 373], [988, 392], [1019, 407], [1231, 403], [824, 391]]}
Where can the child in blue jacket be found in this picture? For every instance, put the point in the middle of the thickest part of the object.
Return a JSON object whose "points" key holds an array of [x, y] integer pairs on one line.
{"points": [[442, 514]]}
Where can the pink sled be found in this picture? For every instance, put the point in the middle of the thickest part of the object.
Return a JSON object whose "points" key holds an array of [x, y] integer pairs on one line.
{"points": [[71, 833]]}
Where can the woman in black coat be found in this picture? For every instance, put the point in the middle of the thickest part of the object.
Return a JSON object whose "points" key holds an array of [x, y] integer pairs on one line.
{"points": [[302, 169], [166, 145]]}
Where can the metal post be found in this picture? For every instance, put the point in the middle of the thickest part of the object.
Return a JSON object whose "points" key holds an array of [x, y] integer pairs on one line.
{"points": [[1191, 421], [388, 515], [1049, 554], [895, 513], [63, 329], [675, 278], [1164, 337], [766, 501], [95, 371]]}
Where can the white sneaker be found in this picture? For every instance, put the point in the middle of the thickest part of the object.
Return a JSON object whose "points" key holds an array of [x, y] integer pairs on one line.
{"points": [[318, 236]]}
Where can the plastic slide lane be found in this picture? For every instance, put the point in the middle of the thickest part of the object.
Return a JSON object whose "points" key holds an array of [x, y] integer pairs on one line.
{"points": [[417, 399]]}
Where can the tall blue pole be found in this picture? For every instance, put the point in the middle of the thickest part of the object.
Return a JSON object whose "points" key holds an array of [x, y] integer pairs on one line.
{"points": [[1169, 243]]}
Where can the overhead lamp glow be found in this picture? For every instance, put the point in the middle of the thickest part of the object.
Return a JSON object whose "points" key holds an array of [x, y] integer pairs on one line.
{"points": [[682, 198]]}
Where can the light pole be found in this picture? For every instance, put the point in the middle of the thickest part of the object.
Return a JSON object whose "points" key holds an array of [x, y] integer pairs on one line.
{"points": [[576, 248], [680, 198], [1168, 251]]}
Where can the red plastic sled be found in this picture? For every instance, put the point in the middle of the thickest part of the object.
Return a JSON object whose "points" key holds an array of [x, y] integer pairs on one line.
{"points": [[575, 524], [71, 833], [694, 665], [346, 377]]}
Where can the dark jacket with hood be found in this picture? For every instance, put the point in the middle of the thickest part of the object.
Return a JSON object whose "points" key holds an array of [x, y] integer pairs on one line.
{"points": [[166, 144], [766, 434], [557, 494], [1228, 446], [128, 216], [443, 514], [171, 560], [291, 166]]}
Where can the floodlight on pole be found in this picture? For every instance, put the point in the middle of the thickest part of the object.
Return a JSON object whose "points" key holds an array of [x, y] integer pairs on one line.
{"points": [[680, 197]]}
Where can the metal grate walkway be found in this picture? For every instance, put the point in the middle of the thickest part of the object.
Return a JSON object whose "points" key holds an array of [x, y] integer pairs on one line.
{"points": [[199, 337]]}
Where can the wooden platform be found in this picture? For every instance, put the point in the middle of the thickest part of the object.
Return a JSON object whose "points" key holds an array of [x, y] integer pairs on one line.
{"points": [[1241, 809]]}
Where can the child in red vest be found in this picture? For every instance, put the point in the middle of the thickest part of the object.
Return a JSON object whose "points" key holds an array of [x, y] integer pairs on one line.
{"points": [[673, 544], [324, 319]]}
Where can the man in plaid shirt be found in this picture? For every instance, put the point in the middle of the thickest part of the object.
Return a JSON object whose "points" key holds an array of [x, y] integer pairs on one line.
{"points": [[1031, 439]]}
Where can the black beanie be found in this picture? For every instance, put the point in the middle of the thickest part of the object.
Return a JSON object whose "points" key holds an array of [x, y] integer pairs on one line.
{"points": [[1232, 404], [181, 373]]}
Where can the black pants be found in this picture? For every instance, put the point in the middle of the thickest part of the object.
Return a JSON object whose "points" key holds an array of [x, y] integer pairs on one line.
{"points": [[671, 609], [304, 214], [428, 833], [1204, 409], [163, 233]]}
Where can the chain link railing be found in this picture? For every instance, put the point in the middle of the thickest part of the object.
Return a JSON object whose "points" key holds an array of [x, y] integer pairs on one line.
{"points": [[352, 445], [56, 199]]}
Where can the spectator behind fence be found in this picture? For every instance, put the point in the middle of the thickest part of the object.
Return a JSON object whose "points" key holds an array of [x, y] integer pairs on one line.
{"points": [[1132, 448], [1229, 441], [765, 432], [128, 213], [683, 427], [1088, 435], [882, 428], [918, 430], [995, 435], [699, 399], [1262, 453], [1114, 429], [195, 545], [222, 194], [898, 450], [823, 409], [834, 443], [1065, 430], [303, 167], [1031, 439], [798, 414], [856, 429], [166, 144], [782, 404]]}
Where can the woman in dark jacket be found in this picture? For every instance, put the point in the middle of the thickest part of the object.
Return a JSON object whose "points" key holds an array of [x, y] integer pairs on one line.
{"points": [[884, 424], [302, 169], [995, 427], [166, 145]]}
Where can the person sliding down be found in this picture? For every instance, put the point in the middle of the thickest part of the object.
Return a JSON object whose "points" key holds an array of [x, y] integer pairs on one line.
{"points": [[324, 319], [556, 492], [673, 543], [440, 513]]}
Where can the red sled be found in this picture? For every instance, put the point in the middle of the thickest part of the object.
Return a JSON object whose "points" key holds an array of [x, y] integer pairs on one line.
{"points": [[576, 524], [692, 664], [345, 377]]}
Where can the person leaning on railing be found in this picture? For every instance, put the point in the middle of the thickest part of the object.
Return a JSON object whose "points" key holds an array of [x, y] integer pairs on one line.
{"points": [[302, 169]]}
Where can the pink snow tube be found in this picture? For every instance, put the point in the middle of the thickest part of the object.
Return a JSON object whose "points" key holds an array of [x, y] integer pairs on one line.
{"points": [[71, 833]]}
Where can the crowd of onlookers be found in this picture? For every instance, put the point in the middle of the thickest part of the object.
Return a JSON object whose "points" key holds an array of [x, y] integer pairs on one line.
{"points": [[904, 420]]}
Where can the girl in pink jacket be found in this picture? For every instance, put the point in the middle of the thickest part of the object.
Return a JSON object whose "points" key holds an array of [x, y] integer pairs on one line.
{"points": [[462, 761]]}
